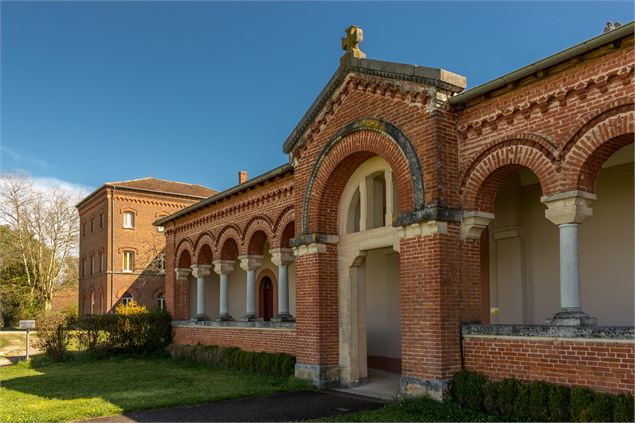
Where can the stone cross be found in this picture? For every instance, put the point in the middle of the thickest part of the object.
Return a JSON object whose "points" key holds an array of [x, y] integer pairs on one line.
{"points": [[350, 43]]}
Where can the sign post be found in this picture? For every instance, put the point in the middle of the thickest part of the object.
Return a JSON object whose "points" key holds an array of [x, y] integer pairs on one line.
{"points": [[27, 324]]}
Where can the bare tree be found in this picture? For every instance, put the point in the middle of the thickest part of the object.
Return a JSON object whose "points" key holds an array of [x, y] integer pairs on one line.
{"points": [[44, 230]]}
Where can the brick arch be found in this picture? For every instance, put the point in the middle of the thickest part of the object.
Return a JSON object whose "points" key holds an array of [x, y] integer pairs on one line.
{"points": [[286, 217], [133, 291], [253, 234], [204, 249], [224, 248], [539, 142], [583, 162], [184, 254], [482, 183], [351, 146]]}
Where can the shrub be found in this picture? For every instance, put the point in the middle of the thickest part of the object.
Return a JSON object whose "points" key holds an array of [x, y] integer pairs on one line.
{"points": [[54, 335], [280, 365], [623, 409], [131, 330], [540, 401], [559, 397]]}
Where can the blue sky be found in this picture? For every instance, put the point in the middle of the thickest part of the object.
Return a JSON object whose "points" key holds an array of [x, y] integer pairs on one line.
{"points": [[194, 92]]}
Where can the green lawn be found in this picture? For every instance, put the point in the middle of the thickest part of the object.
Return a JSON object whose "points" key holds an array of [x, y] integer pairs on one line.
{"points": [[416, 410], [44, 391]]}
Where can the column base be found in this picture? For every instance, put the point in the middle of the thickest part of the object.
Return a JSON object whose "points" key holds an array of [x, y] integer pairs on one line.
{"points": [[322, 376], [201, 318], [250, 318], [438, 390], [285, 317], [223, 318], [572, 318]]}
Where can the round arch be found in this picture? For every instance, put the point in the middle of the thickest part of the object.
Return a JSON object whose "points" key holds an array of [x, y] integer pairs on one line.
{"points": [[184, 253], [481, 184], [585, 158], [351, 146], [257, 232], [280, 237], [204, 249]]}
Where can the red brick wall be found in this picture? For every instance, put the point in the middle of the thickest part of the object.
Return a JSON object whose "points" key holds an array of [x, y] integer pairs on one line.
{"points": [[606, 366], [249, 339]]}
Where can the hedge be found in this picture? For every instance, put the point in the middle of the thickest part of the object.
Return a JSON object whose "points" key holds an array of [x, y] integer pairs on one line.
{"points": [[279, 365], [140, 333], [539, 401]]}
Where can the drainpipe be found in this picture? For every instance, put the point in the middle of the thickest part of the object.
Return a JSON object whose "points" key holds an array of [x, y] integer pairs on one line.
{"points": [[112, 245]]}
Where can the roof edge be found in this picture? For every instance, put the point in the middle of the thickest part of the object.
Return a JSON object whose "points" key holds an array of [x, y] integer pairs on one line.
{"points": [[125, 188], [273, 173], [549, 61], [437, 77]]}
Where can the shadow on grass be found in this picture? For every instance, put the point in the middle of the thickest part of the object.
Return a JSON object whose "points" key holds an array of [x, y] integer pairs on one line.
{"points": [[84, 386]]}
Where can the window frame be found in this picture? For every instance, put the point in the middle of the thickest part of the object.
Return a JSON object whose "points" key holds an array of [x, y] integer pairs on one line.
{"points": [[130, 261], [132, 219]]}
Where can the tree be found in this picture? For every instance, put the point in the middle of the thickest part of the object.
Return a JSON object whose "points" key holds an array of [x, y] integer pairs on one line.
{"points": [[43, 234]]}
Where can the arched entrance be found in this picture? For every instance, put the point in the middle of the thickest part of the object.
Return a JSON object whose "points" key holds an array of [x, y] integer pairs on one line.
{"points": [[368, 273]]}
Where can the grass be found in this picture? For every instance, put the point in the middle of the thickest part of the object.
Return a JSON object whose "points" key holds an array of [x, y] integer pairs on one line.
{"points": [[416, 410], [44, 391]]}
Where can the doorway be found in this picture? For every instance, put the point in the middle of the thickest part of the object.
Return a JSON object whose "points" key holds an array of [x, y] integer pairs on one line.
{"points": [[266, 298]]}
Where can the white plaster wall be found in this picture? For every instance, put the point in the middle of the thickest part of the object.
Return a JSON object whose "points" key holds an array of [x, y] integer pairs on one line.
{"points": [[382, 303], [237, 291], [212, 293], [606, 252]]}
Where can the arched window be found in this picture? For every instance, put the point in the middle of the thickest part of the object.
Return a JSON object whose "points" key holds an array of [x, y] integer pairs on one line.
{"points": [[127, 298], [92, 302], [161, 301]]}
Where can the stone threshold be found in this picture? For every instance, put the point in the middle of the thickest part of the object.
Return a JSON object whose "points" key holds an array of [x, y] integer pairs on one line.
{"points": [[232, 324], [551, 331]]}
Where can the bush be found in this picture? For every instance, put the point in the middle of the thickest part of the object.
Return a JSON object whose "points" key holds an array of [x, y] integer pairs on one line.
{"points": [[279, 365], [53, 331], [623, 409], [539, 401], [131, 330]]}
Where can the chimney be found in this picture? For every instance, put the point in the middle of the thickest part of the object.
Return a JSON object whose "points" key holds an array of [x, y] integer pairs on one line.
{"points": [[242, 176]]}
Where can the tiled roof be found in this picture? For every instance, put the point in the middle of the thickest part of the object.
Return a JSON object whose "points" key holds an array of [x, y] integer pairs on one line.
{"points": [[155, 184]]}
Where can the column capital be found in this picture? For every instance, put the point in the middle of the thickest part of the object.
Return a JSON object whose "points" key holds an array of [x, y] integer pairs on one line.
{"points": [[425, 228], [568, 207], [282, 256], [201, 270], [250, 262], [223, 266], [304, 249], [474, 223], [182, 274]]}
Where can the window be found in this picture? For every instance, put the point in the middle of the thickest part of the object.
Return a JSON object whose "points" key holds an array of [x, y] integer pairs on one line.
{"points": [[161, 263], [126, 299], [161, 302], [128, 261], [128, 220], [92, 225], [92, 302], [92, 264], [84, 267], [101, 220], [101, 261], [84, 229]]}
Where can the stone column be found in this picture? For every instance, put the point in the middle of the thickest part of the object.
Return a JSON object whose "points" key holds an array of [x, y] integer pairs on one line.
{"points": [[389, 198], [283, 258], [568, 210], [250, 263], [181, 303], [223, 268], [200, 271]]}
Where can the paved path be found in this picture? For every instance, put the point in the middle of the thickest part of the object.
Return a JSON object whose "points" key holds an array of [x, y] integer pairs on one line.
{"points": [[289, 406]]}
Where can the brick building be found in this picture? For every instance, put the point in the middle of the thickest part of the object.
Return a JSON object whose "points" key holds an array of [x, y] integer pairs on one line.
{"points": [[420, 228], [121, 253]]}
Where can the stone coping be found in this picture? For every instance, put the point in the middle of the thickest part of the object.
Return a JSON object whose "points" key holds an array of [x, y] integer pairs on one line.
{"points": [[240, 325], [551, 331]]}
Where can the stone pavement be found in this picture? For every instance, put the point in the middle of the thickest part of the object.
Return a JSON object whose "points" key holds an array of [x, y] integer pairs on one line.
{"points": [[288, 406]]}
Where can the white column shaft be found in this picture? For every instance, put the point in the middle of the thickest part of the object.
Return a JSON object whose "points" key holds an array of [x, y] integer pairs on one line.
{"points": [[200, 296], [224, 294], [283, 290], [251, 293], [569, 267]]}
